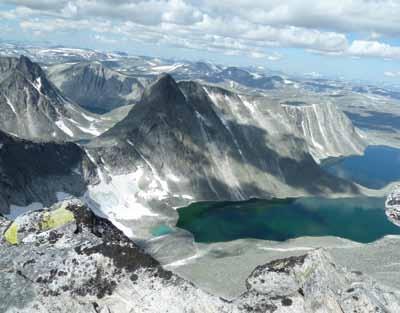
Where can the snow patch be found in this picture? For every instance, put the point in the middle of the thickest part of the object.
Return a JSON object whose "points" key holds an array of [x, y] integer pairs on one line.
{"points": [[187, 260], [167, 68], [77, 170], [201, 118], [256, 75], [247, 104], [117, 197], [38, 84], [187, 197], [173, 178], [126, 230], [91, 130], [225, 122], [87, 117], [11, 105], [91, 158], [61, 125], [163, 193], [287, 82]]}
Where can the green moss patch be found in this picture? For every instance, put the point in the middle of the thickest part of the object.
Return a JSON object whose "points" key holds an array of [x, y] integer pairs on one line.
{"points": [[11, 234], [56, 218]]}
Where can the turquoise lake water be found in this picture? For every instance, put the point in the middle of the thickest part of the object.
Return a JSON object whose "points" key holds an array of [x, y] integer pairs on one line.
{"points": [[161, 230], [379, 166], [359, 219]]}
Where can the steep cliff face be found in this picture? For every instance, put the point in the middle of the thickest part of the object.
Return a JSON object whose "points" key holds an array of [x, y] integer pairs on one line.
{"points": [[33, 108], [328, 132], [186, 142], [40, 172], [95, 86], [66, 259]]}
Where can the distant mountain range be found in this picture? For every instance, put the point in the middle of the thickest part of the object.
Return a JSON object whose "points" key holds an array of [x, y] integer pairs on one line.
{"points": [[96, 87]]}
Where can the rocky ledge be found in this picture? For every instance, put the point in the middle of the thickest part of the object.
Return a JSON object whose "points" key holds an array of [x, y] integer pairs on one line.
{"points": [[393, 206], [65, 259]]}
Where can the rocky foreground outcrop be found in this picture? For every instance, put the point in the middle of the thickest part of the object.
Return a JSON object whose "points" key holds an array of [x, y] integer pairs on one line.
{"points": [[65, 259], [393, 206]]}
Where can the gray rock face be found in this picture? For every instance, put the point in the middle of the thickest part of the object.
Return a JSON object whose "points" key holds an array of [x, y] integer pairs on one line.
{"points": [[26, 111], [328, 132], [203, 147], [36, 172], [66, 259], [392, 205], [94, 86], [317, 285], [33, 108]]}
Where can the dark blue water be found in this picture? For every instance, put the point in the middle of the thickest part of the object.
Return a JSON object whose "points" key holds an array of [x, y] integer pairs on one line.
{"points": [[358, 219], [375, 169]]}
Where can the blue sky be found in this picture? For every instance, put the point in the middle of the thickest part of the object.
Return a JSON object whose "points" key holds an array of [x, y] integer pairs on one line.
{"points": [[353, 39]]}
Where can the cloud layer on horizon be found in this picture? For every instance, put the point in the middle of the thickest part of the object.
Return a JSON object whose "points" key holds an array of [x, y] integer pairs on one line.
{"points": [[233, 27]]}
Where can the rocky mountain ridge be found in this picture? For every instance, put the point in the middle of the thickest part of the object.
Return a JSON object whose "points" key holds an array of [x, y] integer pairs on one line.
{"points": [[218, 145], [33, 108], [328, 131], [95, 86]]}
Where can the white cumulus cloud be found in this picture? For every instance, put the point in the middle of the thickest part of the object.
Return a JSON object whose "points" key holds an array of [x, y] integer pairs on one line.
{"points": [[392, 74], [236, 27], [373, 49]]}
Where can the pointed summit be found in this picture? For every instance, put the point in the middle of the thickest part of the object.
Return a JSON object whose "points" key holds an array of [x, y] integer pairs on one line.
{"points": [[32, 107], [163, 83], [163, 105], [22, 73], [164, 91], [165, 77], [30, 69]]}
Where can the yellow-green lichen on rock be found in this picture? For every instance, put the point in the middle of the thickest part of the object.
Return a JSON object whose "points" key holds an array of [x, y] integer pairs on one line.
{"points": [[11, 234], [56, 218]]}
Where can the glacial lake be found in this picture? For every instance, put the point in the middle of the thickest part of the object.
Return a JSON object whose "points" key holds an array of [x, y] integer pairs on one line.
{"points": [[379, 166], [358, 219]]}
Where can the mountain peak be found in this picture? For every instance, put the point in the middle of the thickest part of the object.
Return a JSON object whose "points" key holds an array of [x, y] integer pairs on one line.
{"points": [[163, 99], [29, 68], [33, 108], [166, 80], [164, 88]]}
